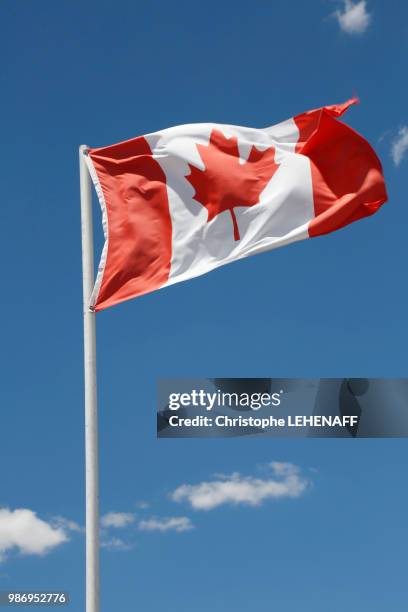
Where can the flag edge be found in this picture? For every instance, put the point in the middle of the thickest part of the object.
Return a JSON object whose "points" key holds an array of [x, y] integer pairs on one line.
{"points": [[104, 255]]}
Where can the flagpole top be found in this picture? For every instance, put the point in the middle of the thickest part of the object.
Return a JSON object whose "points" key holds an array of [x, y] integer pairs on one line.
{"points": [[84, 149]]}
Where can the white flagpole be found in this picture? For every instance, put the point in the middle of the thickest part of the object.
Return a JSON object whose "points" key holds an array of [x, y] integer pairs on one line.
{"points": [[91, 409]]}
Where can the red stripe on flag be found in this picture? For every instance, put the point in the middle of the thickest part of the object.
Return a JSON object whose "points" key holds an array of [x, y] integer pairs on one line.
{"points": [[139, 223], [348, 182]]}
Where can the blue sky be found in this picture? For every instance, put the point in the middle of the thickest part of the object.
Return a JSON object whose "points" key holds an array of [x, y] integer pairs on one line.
{"points": [[101, 72]]}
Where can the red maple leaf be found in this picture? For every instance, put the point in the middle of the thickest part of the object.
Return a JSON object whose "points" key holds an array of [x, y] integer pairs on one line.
{"points": [[226, 183]]}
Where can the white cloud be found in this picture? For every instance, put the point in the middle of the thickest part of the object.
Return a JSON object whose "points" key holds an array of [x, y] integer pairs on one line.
{"points": [[282, 468], [176, 523], [117, 519], [400, 145], [65, 524], [21, 529], [142, 505], [114, 544], [354, 17], [284, 481]]}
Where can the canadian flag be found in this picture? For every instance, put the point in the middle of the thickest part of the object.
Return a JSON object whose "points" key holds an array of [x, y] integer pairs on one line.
{"points": [[182, 201]]}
